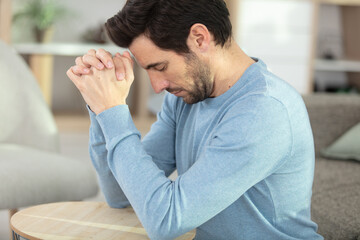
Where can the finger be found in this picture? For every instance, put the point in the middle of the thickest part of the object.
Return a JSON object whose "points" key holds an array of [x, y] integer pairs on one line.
{"points": [[92, 61], [79, 62], [105, 57], [119, 67], [80, 70], [127, 55], [129, 72], [74, 78], [92, 52]]}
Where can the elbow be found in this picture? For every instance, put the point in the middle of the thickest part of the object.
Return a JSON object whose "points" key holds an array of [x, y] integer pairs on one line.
{"points": [[120, 204], [167, 223], [163, 232], [160, 235]]}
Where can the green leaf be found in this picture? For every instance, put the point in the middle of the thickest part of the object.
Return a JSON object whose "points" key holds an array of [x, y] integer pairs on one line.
{"points": [[42, 14]]}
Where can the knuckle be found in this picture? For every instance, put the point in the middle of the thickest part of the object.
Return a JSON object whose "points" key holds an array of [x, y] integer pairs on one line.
{"points": [[117, 61], [100, 51], [78, 59], [75, 69], [87, 58], [84, 58], [91, 51], [124, 58], [70, 73], [103, 53]]}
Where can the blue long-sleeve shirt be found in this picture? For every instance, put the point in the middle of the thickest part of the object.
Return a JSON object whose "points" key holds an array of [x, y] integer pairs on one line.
{"points": [[245, 161]]}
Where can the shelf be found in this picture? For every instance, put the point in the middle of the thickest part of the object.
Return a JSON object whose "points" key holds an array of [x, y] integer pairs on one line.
{"points": [[337, 65], [63, 49], [339, 2]]}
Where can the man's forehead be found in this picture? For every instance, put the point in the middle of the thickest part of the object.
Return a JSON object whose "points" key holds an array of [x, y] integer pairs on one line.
{"points": [[143, 50], [147, 53], [143, 44]]}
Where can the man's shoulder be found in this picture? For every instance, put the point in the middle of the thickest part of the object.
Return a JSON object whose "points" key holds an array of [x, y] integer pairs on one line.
{"points": [[264, 88]]}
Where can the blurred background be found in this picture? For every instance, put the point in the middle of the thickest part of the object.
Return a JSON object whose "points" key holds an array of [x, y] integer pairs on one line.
{"points": [[312, 44]]}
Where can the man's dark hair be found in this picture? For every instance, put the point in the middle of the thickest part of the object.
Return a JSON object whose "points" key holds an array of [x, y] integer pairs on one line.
{"points": [[167, 22]]}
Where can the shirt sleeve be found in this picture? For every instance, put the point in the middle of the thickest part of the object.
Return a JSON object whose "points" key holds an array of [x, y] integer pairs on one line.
{"points": [[159, 143], [114, 195], [249, 143]]}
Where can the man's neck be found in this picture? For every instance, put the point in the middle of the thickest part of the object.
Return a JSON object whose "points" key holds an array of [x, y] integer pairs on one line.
{"points": [[228, 66]]}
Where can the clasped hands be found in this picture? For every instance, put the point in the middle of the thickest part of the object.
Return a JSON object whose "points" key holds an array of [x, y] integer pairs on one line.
{"points": [[104, 81]]}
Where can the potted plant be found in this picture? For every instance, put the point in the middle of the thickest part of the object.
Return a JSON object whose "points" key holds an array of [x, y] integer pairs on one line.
{"points": [[41, 14]]}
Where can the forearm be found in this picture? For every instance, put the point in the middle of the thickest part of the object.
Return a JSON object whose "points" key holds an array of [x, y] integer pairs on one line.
{"points": [[135, 171], [114, 195]]}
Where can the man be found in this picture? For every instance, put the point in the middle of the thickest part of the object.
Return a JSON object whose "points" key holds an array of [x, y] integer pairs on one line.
{"points": [[238, 136]]}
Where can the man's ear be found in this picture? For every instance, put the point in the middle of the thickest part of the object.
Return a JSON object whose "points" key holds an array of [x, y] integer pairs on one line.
{"points": [[199, 38]]}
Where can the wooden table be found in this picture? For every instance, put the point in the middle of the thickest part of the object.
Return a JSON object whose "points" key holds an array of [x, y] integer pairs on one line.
{"points": [[79, 221]]}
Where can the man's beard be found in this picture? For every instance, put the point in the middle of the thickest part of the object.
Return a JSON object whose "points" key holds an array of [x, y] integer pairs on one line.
{"points": [[199, 72]]}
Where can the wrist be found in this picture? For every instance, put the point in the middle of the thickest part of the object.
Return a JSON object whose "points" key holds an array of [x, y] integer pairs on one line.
{"points": [[109, 107]]}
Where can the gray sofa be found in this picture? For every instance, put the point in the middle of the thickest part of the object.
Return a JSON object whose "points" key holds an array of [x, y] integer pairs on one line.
{"points": [[336, 189]]}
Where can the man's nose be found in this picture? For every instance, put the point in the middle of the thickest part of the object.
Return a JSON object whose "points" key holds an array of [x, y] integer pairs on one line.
{"points": [[158, 83]]}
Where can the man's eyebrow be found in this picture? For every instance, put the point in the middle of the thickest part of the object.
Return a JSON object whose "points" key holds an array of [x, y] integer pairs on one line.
{"points": [[153, 65]]}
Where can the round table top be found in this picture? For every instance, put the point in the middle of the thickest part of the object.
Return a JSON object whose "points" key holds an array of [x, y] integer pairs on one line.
{"points": [[78, 221]]}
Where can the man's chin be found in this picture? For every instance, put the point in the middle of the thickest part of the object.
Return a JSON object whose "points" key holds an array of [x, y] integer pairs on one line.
{"points": [[188, 97], [191, 100]]}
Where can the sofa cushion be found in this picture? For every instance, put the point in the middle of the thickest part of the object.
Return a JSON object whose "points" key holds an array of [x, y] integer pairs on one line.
{"points": [[30, 176], [336, 198], [331, 115], [345, 147], [336, 212]]}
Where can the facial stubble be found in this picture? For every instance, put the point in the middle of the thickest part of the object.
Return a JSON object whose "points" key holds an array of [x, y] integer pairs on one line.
{"points": [[200, 74]]}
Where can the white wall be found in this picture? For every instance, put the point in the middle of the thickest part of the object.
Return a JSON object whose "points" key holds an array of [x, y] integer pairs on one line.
{"points": [[279, 33]]}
